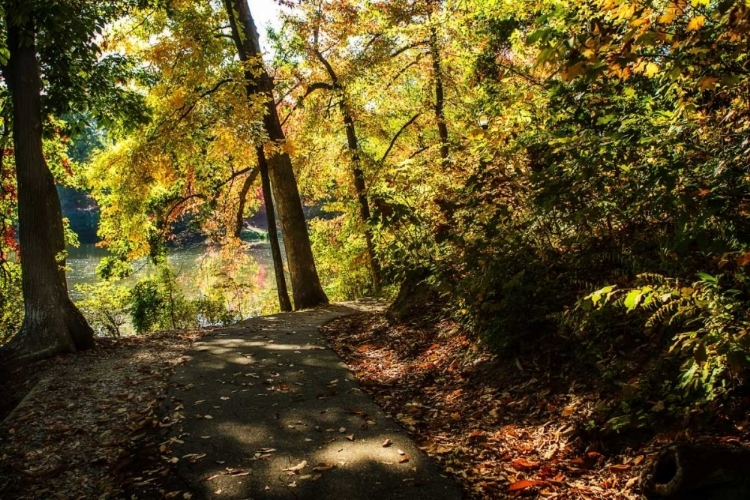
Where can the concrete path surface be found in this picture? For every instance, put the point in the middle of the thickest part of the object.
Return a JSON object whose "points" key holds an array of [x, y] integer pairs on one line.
{"points": [[272, 413]]}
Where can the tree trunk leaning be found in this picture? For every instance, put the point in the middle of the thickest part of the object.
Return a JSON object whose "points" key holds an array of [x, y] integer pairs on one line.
{"points": [[306, 289], [439, 96]]}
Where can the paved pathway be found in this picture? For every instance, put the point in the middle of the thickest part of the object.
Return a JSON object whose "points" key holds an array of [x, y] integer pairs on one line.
{"points": [[279, 416]]}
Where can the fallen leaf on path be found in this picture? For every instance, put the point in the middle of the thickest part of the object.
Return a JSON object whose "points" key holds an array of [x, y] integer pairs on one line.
{"points": [[297, 467], [323, 467], [523, 464], [386, 443], [619, 467]]}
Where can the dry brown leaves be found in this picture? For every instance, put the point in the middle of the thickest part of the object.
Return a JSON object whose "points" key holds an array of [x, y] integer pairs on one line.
{"points": [[80, 431], [495, 427]]}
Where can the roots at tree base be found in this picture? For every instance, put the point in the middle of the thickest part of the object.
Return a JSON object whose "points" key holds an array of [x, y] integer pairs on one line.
{"points": [[699, 471], [46, 333]]}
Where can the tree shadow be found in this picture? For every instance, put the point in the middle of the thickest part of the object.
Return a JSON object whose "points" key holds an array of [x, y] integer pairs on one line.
{"points": [[270, 412]]}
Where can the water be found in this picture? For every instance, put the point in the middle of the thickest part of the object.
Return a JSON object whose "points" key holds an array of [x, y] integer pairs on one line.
{"points": [[250, 276]]}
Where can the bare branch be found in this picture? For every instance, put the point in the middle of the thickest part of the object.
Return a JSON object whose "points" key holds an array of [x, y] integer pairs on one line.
{"points": [[312, 88]]}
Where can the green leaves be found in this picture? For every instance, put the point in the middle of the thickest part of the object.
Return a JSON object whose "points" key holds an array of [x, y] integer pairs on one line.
{"points": [[596, 296], [632, 299]]}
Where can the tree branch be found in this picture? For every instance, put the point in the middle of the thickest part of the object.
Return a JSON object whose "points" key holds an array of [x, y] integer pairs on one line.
{"points": [[243, 195], [407, 47], [395, 137], [312, 88]]}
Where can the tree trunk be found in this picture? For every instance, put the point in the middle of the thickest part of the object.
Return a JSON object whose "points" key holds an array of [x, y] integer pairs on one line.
{"points": [[359, 176], [278, 262], [364, 205], [306, 289], [52, 324], [439, 96]]}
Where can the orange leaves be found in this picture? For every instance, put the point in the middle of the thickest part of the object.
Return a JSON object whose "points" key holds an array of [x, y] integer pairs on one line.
{"points": [[696, 23], [523, 464], [523, 484], [743, 259]]}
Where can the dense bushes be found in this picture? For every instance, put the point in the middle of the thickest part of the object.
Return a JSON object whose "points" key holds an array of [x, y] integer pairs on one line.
{"points": [[624, 217], [605, 205]]}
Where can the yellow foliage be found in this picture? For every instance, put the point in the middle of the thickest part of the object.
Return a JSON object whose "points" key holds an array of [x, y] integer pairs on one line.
{"points": [[696, 23]]}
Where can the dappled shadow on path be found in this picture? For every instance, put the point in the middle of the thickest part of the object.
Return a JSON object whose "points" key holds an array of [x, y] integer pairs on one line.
{"points": [[270, 413]]}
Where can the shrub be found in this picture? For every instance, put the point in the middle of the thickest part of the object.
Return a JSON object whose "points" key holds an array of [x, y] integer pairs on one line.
{"points": [[106, 306], [158, 304]]}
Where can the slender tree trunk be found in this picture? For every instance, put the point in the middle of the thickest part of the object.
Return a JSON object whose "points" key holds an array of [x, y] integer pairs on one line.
{"points": [[278, 261], [359, 185], [306, 289], [439, 96], [52, 324], [358, 174]]}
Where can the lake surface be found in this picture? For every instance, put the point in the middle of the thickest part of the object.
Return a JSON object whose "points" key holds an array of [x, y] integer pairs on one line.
{"points": [[247, 278]]}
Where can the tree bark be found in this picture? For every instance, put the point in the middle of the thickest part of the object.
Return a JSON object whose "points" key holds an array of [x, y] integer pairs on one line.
{"points": [[364, 204], [52, 324], [306, 289], [439, 96], [278, 262]]}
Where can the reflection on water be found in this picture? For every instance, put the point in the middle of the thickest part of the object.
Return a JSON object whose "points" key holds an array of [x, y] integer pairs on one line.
{"points": [[196, 268]]}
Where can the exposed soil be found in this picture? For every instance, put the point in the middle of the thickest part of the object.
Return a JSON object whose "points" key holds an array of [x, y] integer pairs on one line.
{"points": [[530, 426]]}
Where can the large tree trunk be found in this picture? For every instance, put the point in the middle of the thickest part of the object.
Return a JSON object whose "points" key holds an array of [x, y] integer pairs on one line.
{"points": [[52, 324], [278, 262], [306, 288]]}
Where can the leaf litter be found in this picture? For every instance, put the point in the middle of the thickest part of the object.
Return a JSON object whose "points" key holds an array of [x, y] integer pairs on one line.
{"points": [[501, 429], [90, 427]]}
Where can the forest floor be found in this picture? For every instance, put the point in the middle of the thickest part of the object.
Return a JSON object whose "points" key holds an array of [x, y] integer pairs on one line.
{"points": [[510, 427], [112, 422], [85, 420]]}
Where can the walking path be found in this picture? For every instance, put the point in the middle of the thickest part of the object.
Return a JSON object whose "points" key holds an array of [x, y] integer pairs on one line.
{"points": [[272, 413]]}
